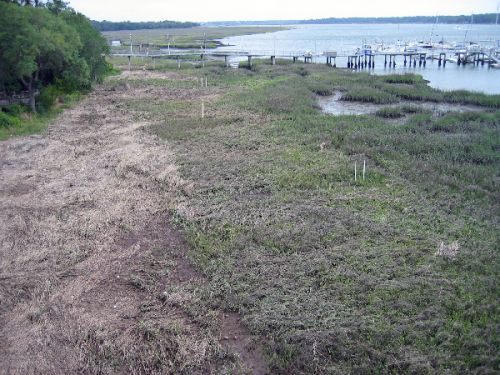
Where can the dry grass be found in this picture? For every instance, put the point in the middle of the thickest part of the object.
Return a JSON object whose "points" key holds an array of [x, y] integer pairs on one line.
{"points": [[87, 253]]}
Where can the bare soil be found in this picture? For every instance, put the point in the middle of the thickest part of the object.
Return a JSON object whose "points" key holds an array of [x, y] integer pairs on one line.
{"points": [[87, 251]]}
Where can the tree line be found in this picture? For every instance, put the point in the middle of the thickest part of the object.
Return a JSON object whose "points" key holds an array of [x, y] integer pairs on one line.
{"points": [[488, 18], [127, 25], [47, 48]]}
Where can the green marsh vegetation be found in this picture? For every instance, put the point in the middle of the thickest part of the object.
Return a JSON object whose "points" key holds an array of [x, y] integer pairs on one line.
{"points": [[194, 37], [397, 273]]}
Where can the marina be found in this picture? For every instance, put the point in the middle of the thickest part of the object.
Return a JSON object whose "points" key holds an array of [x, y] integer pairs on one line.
{"points": [[377, 49]]}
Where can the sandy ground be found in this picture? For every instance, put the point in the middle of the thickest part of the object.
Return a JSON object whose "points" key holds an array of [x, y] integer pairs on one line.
{"points": [[83, 211]]}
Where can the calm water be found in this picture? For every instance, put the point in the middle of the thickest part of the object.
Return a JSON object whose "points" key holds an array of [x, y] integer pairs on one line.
{"points": [[346, 38]]}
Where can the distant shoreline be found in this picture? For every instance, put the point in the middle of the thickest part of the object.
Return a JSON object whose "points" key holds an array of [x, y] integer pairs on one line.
{"points": [[483, 19]]}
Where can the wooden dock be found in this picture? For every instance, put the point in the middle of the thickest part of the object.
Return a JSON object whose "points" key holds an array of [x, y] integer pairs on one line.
{"points": [[355, 61]]}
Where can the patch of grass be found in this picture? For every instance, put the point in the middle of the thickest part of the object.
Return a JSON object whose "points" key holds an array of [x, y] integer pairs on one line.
{"points": [[408, 79], [390, 112], [369, 95], [398, 111]]}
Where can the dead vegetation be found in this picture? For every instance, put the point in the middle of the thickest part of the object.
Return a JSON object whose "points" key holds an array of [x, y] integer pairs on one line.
{"points": [[89, 261]]}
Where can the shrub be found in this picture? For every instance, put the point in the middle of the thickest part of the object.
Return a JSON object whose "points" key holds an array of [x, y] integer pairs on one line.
{"points": [[7, 120], [47, 97], [14, 109]]}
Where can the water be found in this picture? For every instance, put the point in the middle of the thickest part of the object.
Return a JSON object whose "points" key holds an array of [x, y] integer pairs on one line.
{"points": [[335, 106], [346, 38]]}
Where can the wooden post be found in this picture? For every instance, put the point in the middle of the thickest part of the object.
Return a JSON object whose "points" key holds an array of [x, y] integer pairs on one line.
{"points": [[226, 61], [250, 61], [202, 109], [355, 172], [129, 57], [202, 60], [273, 60], [154, 63], [178, 62]]}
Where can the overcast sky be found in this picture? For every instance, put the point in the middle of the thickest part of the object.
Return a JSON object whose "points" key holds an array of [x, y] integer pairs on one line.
{"points": [[225, 10]]}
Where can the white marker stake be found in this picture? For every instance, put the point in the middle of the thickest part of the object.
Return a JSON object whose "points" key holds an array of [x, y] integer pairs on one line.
{"points": [[206, 81], [202, 109], [355, 172], [364, 169]]}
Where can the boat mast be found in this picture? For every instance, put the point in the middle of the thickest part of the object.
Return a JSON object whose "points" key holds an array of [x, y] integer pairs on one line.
{"points": [[432, 30], [468, 28]]}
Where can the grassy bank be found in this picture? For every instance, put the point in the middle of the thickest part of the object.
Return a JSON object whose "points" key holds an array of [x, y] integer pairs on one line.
{"points": [[185, 38], [396, 273], [16, 120]]}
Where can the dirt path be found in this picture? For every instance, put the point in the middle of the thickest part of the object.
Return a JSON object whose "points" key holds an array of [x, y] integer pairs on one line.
{"points": [[87, 252]]}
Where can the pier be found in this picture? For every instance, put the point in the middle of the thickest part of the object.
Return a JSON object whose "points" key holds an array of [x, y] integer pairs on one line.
{"points": [[355, 61]]}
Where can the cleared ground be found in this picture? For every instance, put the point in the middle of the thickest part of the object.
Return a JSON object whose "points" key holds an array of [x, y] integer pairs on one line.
{"points": [[89, 260]]}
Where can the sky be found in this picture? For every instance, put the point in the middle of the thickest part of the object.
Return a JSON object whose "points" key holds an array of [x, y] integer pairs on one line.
{"points": [[256, 10]]}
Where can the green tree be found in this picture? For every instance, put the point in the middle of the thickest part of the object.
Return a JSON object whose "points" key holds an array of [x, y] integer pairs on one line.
{"points": [[93, 45], [48, 46], [35, 47], [57, 6]]}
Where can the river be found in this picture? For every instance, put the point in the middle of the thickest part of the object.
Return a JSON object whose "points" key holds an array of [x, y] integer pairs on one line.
{"points": [[345, 38]]}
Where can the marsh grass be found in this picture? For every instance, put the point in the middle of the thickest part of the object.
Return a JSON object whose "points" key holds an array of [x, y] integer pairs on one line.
{"points": [[184, 38], [338, 276]]}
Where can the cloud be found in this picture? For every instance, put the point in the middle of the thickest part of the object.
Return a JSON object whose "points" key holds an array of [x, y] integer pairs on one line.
{"points": [[216, 10]]}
